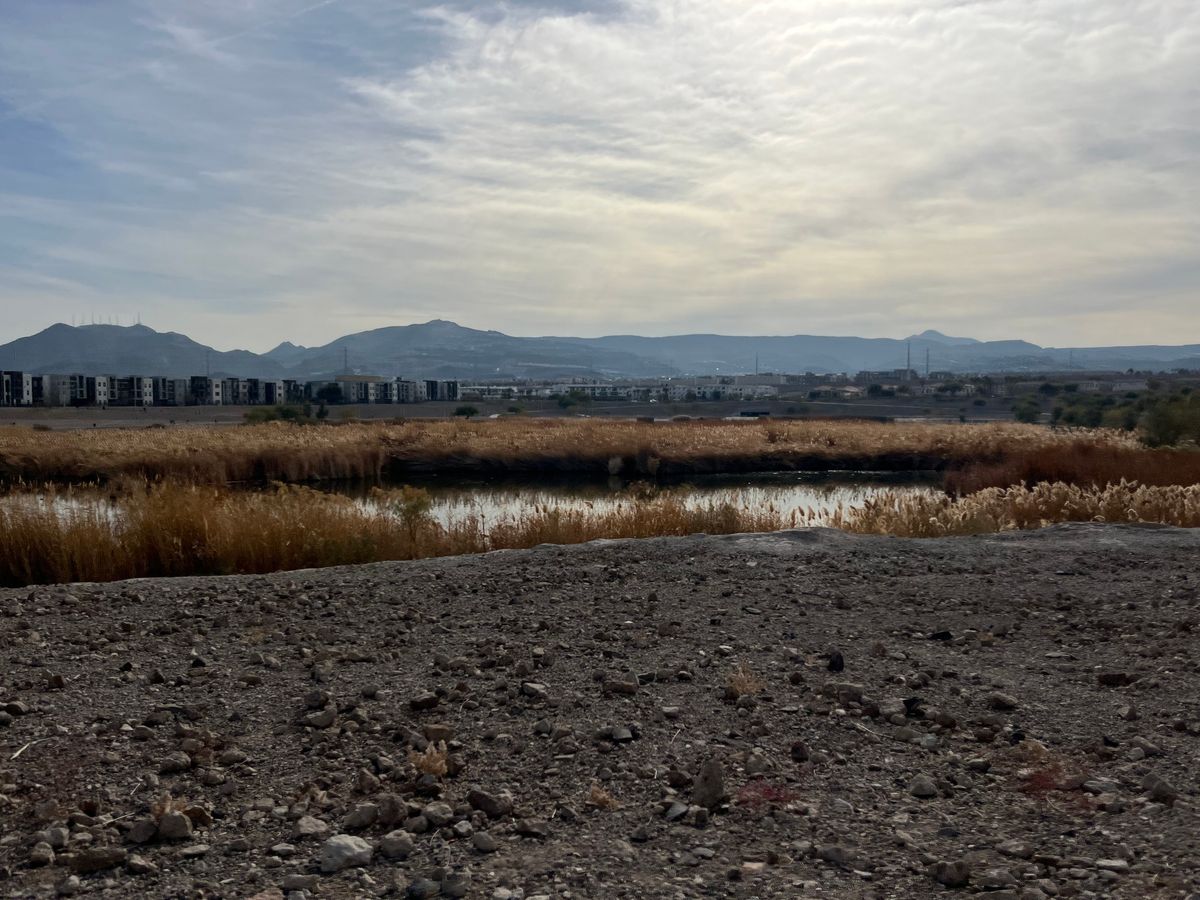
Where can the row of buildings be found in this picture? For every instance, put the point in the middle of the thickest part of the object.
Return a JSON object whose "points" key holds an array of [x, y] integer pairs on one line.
{"points": [[26, 389]]}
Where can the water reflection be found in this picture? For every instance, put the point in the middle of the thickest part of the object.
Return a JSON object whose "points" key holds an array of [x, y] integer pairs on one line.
{"points": [[796, 497]]}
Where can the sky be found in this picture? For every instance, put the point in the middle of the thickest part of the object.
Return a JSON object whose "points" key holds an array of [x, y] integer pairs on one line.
{"points": [[252, 171]]}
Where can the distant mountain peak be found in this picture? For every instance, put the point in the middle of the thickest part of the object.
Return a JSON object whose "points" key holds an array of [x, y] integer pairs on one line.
{"points": [[932, 334]]}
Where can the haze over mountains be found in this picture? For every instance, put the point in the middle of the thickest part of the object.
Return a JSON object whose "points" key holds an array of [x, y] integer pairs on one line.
{"points": [[440, 349]]}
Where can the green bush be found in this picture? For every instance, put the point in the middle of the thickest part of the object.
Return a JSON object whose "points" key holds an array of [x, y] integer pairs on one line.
{"points": [[1172, 421]]}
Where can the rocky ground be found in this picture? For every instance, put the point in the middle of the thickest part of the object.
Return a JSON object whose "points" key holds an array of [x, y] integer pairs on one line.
{"points": [[800, 714]]}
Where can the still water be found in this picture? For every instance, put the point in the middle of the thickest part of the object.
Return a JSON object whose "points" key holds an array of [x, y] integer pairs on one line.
{"points": [[798, 497]]}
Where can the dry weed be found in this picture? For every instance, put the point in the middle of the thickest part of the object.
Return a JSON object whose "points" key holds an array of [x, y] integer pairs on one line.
{"points": [[743, 682], [599, 798], [433, 760]]}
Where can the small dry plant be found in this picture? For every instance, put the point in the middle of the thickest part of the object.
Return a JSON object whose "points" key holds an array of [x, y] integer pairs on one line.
{"points": [[599, 798], [432, 761], [743, 682], [166, 804]]}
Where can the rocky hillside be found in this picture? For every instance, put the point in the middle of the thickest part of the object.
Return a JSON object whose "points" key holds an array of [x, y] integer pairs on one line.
{"points": [[802, 714]]}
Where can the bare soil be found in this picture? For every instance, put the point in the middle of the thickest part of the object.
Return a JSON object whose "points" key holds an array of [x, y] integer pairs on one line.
{"points": [[797, 714]]}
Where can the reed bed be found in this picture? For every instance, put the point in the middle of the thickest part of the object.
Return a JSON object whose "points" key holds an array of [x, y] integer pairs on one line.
{"points": [[296, 454], [175, 530], [1021, 508], [1084, 464]]}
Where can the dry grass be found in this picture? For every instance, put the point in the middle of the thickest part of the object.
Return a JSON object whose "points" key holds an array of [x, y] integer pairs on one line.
{"points": [[167, 804], [1086, 464], [434, 760], [292, 453], [1019, 508], [173, 530], [599, 798], [69, 535], [743, 682]]}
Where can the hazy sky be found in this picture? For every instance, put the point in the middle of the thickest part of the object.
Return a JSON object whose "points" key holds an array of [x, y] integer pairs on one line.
{"points": [[253, 170]]}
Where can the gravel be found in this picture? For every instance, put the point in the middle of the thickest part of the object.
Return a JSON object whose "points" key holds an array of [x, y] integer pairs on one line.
{"points": [[804, 713]]}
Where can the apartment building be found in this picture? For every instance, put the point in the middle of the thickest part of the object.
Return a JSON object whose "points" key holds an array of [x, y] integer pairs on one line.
{"points": [[205, 391], [16, 389], [171, 391]]}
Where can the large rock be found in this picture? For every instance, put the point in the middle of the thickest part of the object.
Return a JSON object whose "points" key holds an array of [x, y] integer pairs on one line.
{"points": [[397, 845], [494, 806], [709, 789], [97, 859], [343, 851]]}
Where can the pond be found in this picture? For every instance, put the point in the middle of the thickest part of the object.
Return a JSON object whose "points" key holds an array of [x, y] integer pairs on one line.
{"points": [[798, 497]]}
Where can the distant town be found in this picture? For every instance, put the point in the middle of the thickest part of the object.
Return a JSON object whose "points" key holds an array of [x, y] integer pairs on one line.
{"points": [[23, 389]]}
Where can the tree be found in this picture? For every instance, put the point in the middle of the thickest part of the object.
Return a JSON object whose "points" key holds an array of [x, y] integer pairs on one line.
{"points": [[1047, 389], [1027, 412], [330, 393], [466, 411]]}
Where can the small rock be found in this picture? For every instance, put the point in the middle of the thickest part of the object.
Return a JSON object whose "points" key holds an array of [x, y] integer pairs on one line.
{"points": [[953, 874], [1015, 849], [424, 701], [438, 814], [322, 719], [484, 842], [362, 816], [175, 762], [42, 854], [174, 826], [139, 865], [422, 889], [309, 827], [1160, 790], [924, 787]]}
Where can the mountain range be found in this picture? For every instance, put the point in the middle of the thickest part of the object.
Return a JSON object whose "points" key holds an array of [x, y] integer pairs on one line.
{"points": [[441, 349]]}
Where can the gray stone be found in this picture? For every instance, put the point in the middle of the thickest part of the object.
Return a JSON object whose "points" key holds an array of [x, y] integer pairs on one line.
{"points": [[42, 854], [174, 826], [709, 789], [309, 827], [456, 884], [953, 874], [438, 814], [484, 842], [924, 787], [397, 845], [362, 816], [494, 806], [97, 859], [343, 851]]}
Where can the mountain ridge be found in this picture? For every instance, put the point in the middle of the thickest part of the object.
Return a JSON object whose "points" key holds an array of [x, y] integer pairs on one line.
{"points": [[444, 349]]}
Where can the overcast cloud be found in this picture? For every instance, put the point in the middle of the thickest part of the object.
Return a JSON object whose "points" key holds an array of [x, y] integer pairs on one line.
{"points": [[249, 171]]}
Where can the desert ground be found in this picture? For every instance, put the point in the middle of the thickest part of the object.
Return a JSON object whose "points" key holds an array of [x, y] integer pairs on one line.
{"points": [[795, 714]]}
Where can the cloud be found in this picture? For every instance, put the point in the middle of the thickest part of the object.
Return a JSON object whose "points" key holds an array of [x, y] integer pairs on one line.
{"points": [[1003, 168]]}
